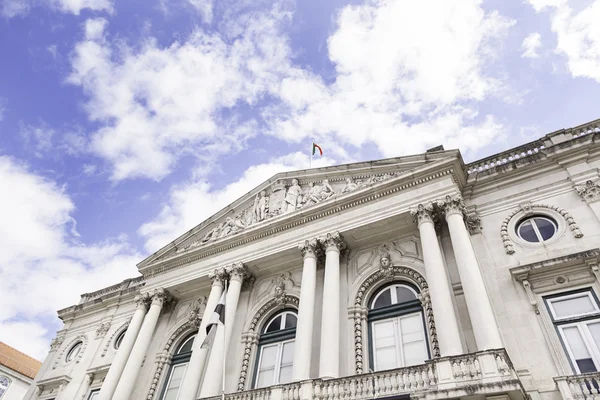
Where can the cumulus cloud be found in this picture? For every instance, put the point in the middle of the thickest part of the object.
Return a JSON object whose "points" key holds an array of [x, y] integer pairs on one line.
{"points": [[158, 104], [401, 84], [13, 8], [577, 34], [190, 203], [531, 44], [44, 264], [205, 8]]}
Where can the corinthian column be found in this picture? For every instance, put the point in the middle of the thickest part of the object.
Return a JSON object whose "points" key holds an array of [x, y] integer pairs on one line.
{"points": [[329, 366], [213, 379], [118, 365], [195, 368], [439, 286], [306, 311], [132, 368], [484, 324]]}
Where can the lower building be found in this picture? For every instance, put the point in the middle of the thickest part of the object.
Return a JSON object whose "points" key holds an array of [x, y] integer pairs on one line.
{"points": [[17, 371], [411, 277]]}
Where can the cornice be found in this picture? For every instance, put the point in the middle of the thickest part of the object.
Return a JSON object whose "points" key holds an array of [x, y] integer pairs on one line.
{"points": [[525, 272], [428, 173]]}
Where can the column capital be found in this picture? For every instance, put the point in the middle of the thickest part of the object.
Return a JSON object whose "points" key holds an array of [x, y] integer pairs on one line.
{"points": [[451, 205], [160, 296], [218, 276], [590, 191], [238, 271], [142, 301], [310, 248], [423, 213], [333, 241]]}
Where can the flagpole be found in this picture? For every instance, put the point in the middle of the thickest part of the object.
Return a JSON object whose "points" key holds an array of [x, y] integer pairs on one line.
{"points": [[224, 351], [311, 154]]}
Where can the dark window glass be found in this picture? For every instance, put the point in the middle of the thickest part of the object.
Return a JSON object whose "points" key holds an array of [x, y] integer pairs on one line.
{"points": [[186, 346], [404, 294], [290, 321], [384, 299], [527, 233], [275, 325], [545, 227]]}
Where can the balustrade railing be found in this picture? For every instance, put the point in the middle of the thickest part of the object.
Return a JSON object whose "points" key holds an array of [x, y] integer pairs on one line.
{"points": [[580, 387]]}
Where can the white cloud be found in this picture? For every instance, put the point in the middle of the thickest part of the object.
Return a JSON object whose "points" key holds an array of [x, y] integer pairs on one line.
{"points": [[191, 203], [205, 8], [3, 102], [13, 8], [44, 266], [577, 34], [531, 44], [400, 83], [158, 104]]}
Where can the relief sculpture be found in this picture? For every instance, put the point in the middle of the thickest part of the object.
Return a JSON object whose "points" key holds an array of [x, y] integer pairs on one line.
{"points": [[284, 198]]}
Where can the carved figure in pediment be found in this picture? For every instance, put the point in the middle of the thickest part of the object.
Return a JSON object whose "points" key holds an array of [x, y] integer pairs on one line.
{"points": [[326, 192], [350, 186], [312, 195], [292, 197], [261, 206], [211, 235]]}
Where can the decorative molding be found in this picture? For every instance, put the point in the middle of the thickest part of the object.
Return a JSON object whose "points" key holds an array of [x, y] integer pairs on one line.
{"points": [[196, 310], [218, 276], [527, 209], [79, 338], [56, 342], [310, 248], [102, 330], [114, 335], [280, 283], [473, 221], [452, 205], [333, 241], [530, 295], [590, 192], [360, 310], [174, 261], [164, 357], [250, 337]]}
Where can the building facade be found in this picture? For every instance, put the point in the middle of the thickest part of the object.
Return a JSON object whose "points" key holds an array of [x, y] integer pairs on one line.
{"points": [[414, 276], [17, 371]]}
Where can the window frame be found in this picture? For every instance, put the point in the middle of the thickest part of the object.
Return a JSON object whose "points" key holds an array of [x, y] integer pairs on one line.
{"points": [[176, 361], [267, 339], [9, 381], [394, 311], [531, 220], [575, 320], [92, 392], [71, 349], [119, 339]]}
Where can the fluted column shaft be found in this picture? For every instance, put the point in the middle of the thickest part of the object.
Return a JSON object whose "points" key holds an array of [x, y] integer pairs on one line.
{"points": [[306, 312], [329, 366], [213, 379], [195, 368], [118, 365], [485, 328], [439, 285], [134, 363]]}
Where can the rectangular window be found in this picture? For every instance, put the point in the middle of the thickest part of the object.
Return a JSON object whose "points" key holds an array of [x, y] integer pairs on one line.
{"points": [[172, 390], [275, 364], [94, 394], [576, 317]]}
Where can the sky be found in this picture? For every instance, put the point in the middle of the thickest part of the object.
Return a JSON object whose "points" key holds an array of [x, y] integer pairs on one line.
{"points": [[125, 124]]}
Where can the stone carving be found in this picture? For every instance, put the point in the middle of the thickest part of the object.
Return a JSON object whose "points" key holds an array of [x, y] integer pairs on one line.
{"points": [[360, 309], [279, 286], [251, 336], [590, 192], [238, 271], [163, 359], [196, 310], [508, 244], [310, 248], [56, 342], [385, 260], [142, 300], [423, 213], [282, 198], [79, 338], [261, 207], [102, 329], [473, 222], [333, 241], [451, 205], [218, 276]]}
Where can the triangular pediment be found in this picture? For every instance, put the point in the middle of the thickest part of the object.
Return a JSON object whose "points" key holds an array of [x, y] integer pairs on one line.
{"points": [[288, 193]]}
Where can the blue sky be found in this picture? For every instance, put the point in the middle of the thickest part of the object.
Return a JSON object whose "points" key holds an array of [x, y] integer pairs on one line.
{"points": [[125, 124]]}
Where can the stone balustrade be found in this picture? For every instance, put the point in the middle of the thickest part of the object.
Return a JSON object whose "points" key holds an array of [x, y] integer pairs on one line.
{"points": [[486, 372], [582, 386]]}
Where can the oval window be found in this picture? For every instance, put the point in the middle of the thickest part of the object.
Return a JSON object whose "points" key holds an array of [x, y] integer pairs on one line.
{"points": [[536, 229]]}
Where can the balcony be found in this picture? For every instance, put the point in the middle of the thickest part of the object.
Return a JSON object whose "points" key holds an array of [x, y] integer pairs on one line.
{"points": [[582, 386], [483, 373]]}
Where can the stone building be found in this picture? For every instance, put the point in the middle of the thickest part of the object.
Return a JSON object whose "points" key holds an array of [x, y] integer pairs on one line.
{"points": [[416, 276], [17, 371]]}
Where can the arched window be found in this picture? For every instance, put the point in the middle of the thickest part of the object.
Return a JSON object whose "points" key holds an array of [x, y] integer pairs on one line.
{"points": [[397, 328], [119, 339], [4, 382], [179, 363], [276, 350], [74, 351]]}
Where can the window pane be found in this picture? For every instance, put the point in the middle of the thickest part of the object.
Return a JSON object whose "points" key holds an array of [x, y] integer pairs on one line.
{"points": [[384, 344], [413, 340], [290, 321], [594, 328], [526, 232], [573, 306], [287, 356], [274, 325], [269, 357], [384, 299], [175, 382], [265, 378], [404, 294], [545, 227], [94, 395], [285, 374], [186, 346], [580, 352]]}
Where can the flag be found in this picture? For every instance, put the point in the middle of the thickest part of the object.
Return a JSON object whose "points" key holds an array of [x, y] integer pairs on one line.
{"points": [[315, 147], [217, 317]]}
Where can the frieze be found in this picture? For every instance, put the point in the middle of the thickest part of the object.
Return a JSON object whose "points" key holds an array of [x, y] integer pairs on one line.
{"points": [[590, 192], [283, 198]]}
